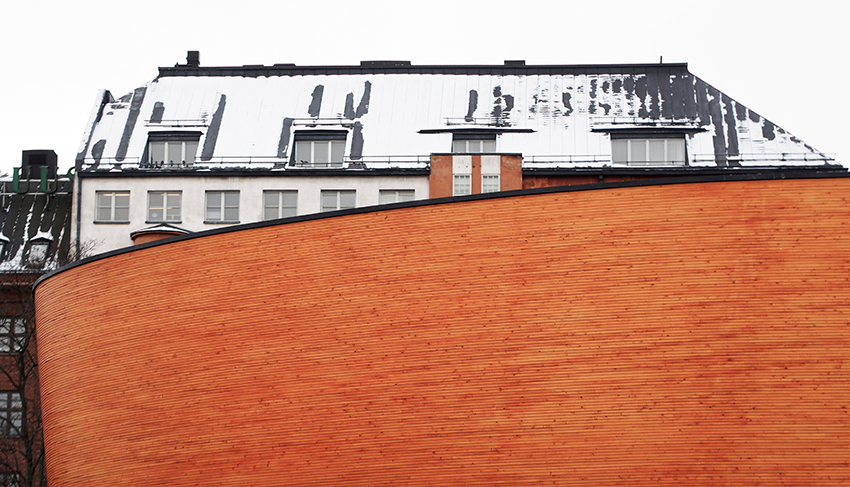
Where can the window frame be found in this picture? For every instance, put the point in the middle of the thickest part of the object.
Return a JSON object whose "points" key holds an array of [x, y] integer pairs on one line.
{"points": [[10, 427], [113, 207], [399, 195], [488, 187], [338, 196], [457, 181], [10, 479], [281, 203], [471, 139], [165, 206], [172, 137], [37, 251], [13, 333], [222, 207], [645, 140], [335, 139]]}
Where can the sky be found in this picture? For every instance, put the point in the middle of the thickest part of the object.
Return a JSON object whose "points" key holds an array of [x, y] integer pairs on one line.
{"points": [[784, 63]]}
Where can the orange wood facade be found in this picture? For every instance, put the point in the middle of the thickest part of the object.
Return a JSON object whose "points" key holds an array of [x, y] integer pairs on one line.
{"points": [[688, 334]]}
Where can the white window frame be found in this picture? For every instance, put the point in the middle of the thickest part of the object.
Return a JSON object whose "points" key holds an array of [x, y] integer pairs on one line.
{"points": [[11, 413], [638, 151], [166, 199], [387, 196], [490, 183], [473, 146], [462, 184], [280, 209], [308, 143], [187, 153], [337, 194], [112, 208], [313, 144], [13, 331], [222, 207]]}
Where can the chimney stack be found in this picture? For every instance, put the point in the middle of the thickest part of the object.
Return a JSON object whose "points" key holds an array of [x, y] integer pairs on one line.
{"points": [[193, 58], [33, 160]]}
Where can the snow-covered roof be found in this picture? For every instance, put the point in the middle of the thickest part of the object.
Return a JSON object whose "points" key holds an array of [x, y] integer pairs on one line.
{"points": [[32, 217], [161, 228], [396, 114]]}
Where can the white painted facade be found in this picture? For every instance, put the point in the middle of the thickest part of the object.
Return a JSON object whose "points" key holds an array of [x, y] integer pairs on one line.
{"points": [[106, 236]]}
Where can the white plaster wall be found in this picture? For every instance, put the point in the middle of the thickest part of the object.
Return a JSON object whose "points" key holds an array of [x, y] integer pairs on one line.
{"points": [[110, 236]]}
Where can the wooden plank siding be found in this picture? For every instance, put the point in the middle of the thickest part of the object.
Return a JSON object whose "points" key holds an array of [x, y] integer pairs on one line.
{"points": [[683, 334]]}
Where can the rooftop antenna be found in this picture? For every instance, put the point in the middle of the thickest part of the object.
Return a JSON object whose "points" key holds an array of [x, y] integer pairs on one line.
{"points": [[660, 59]]}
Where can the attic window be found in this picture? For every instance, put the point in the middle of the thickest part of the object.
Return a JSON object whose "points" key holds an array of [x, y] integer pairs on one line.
{"points": [[4, 243], [38, 247], [172, 149], [648, 150], [473, 143], [320, 148]]}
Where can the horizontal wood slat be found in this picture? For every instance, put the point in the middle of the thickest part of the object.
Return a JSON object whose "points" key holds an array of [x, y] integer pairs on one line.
{"points": [[690, 334]]}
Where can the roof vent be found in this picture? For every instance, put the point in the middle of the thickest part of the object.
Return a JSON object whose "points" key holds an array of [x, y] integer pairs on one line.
{"points": [[385, 64], [193, 58], [516, 62], [32, 162]]}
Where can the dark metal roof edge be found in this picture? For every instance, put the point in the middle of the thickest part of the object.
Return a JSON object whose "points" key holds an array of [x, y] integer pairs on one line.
{"points": [[473, 129], [680, 170], [452, 199], [288, 69], [256, 173]]}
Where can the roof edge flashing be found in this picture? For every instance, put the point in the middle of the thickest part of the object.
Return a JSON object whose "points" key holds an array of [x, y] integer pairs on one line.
{"points": [[368, 67]]}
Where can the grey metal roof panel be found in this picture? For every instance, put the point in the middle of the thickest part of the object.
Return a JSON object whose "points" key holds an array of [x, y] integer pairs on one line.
{"points": [[251, 114]]}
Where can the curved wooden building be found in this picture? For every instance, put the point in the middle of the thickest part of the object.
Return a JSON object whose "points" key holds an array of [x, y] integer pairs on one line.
{"points": [[675, 334]]}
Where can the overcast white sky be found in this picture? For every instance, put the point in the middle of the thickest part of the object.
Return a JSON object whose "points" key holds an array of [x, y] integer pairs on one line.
{"points": [[786, 63]]}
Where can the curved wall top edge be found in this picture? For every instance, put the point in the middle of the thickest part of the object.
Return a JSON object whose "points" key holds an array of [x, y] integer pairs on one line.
{"points": [[439, 201]]}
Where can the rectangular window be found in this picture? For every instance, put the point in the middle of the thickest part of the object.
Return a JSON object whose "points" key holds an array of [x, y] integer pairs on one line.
{"points": [[172, 149], [395, 195], [338, 199], [222, 207], [490, 183], [173, 153], [655, 151], [164, 206], [10, 479], [319, 148], [279, 204], [13, 333], [473, 143], [11, 413], [38, 251], [112, 206], [462, 184]]}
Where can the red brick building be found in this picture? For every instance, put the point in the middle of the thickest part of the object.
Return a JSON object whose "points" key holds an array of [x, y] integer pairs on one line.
{"points": [[35, 234]]}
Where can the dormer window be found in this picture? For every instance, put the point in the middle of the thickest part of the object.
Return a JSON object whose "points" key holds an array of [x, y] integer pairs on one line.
{"points": [[648, 149], [172, 149], [37, 252], [320, 148], [4, 243], [473, 143]]}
